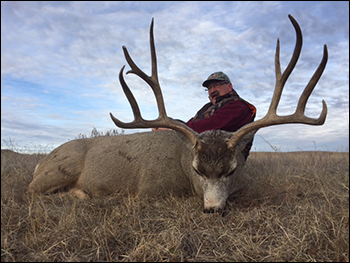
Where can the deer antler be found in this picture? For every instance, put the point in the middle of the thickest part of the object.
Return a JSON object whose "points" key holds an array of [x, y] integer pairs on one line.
{"points": [[163, 120], [271, 118]]}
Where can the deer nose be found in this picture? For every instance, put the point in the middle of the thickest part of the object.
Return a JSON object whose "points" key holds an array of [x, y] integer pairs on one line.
{"points": [[212, 210], [213, 206]]}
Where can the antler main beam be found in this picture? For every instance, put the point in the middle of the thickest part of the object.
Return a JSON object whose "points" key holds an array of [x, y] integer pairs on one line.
{"points": [[271, 118], [163, 120]]}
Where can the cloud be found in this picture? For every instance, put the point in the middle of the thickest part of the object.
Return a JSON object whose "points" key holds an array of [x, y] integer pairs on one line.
{"points": [[60, 62]]}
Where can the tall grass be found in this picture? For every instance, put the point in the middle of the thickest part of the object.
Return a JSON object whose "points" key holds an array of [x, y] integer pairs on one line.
{"points": [[295, 207]]}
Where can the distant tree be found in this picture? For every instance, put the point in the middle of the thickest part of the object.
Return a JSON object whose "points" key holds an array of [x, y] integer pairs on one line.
{"points": [[96, 133]]}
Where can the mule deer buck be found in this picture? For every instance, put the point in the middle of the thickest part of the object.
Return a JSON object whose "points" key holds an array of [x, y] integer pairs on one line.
{"points": [[178, 161]]}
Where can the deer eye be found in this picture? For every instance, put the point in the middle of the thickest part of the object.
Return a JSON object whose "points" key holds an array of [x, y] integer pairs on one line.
{"points": [[231, 173], [198, 172]]}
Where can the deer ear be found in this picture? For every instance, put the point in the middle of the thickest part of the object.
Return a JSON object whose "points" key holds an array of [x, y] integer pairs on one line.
{"points": [[248, 138]]}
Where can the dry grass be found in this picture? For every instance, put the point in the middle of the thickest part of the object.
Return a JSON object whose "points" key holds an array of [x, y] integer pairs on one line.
{"points": [[296, 208]]}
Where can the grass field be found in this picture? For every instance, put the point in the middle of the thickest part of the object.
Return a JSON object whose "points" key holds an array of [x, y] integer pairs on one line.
{"points": [[295, 208]]}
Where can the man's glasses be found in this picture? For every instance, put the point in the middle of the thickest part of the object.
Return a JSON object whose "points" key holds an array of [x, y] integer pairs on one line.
{"points": [[215, 85]]}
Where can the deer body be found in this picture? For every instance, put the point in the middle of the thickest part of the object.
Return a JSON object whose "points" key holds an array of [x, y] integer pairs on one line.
{"points": [[147, 164], [180, 161], [104, 165]]}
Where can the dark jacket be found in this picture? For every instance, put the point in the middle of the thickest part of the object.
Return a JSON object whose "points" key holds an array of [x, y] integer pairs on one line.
{"points": [[229, 114]]}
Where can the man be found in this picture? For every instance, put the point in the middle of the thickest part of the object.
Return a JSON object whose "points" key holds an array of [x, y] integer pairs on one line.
{"points": [[225, 111]]}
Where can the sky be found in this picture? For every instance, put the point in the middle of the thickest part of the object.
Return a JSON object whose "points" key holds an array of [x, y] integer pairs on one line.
{"points": [[60, 63]]}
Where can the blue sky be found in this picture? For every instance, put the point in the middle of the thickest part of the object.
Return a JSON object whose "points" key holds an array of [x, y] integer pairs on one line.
{"points": [[60, 63]]}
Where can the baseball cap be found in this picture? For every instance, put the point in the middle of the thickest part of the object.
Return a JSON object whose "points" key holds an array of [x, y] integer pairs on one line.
{"points": [[216, 76]]}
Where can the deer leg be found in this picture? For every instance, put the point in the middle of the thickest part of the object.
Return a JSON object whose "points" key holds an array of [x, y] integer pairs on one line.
{"points": [[50, 181]]}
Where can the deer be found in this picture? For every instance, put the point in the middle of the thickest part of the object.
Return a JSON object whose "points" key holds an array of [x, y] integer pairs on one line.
{"points": [[177, 161]]}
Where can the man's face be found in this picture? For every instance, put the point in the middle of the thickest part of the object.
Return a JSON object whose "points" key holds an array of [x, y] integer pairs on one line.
{"points": [[218, 88]]}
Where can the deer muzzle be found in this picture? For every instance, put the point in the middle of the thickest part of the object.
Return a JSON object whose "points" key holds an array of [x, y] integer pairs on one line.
{"points": [[215, 196]]}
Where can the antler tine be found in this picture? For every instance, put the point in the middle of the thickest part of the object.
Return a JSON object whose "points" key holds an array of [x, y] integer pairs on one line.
{"points": [[310, 87], [133, 103], [152, 80], [163, 120], [271, 118], [281, 80]]}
